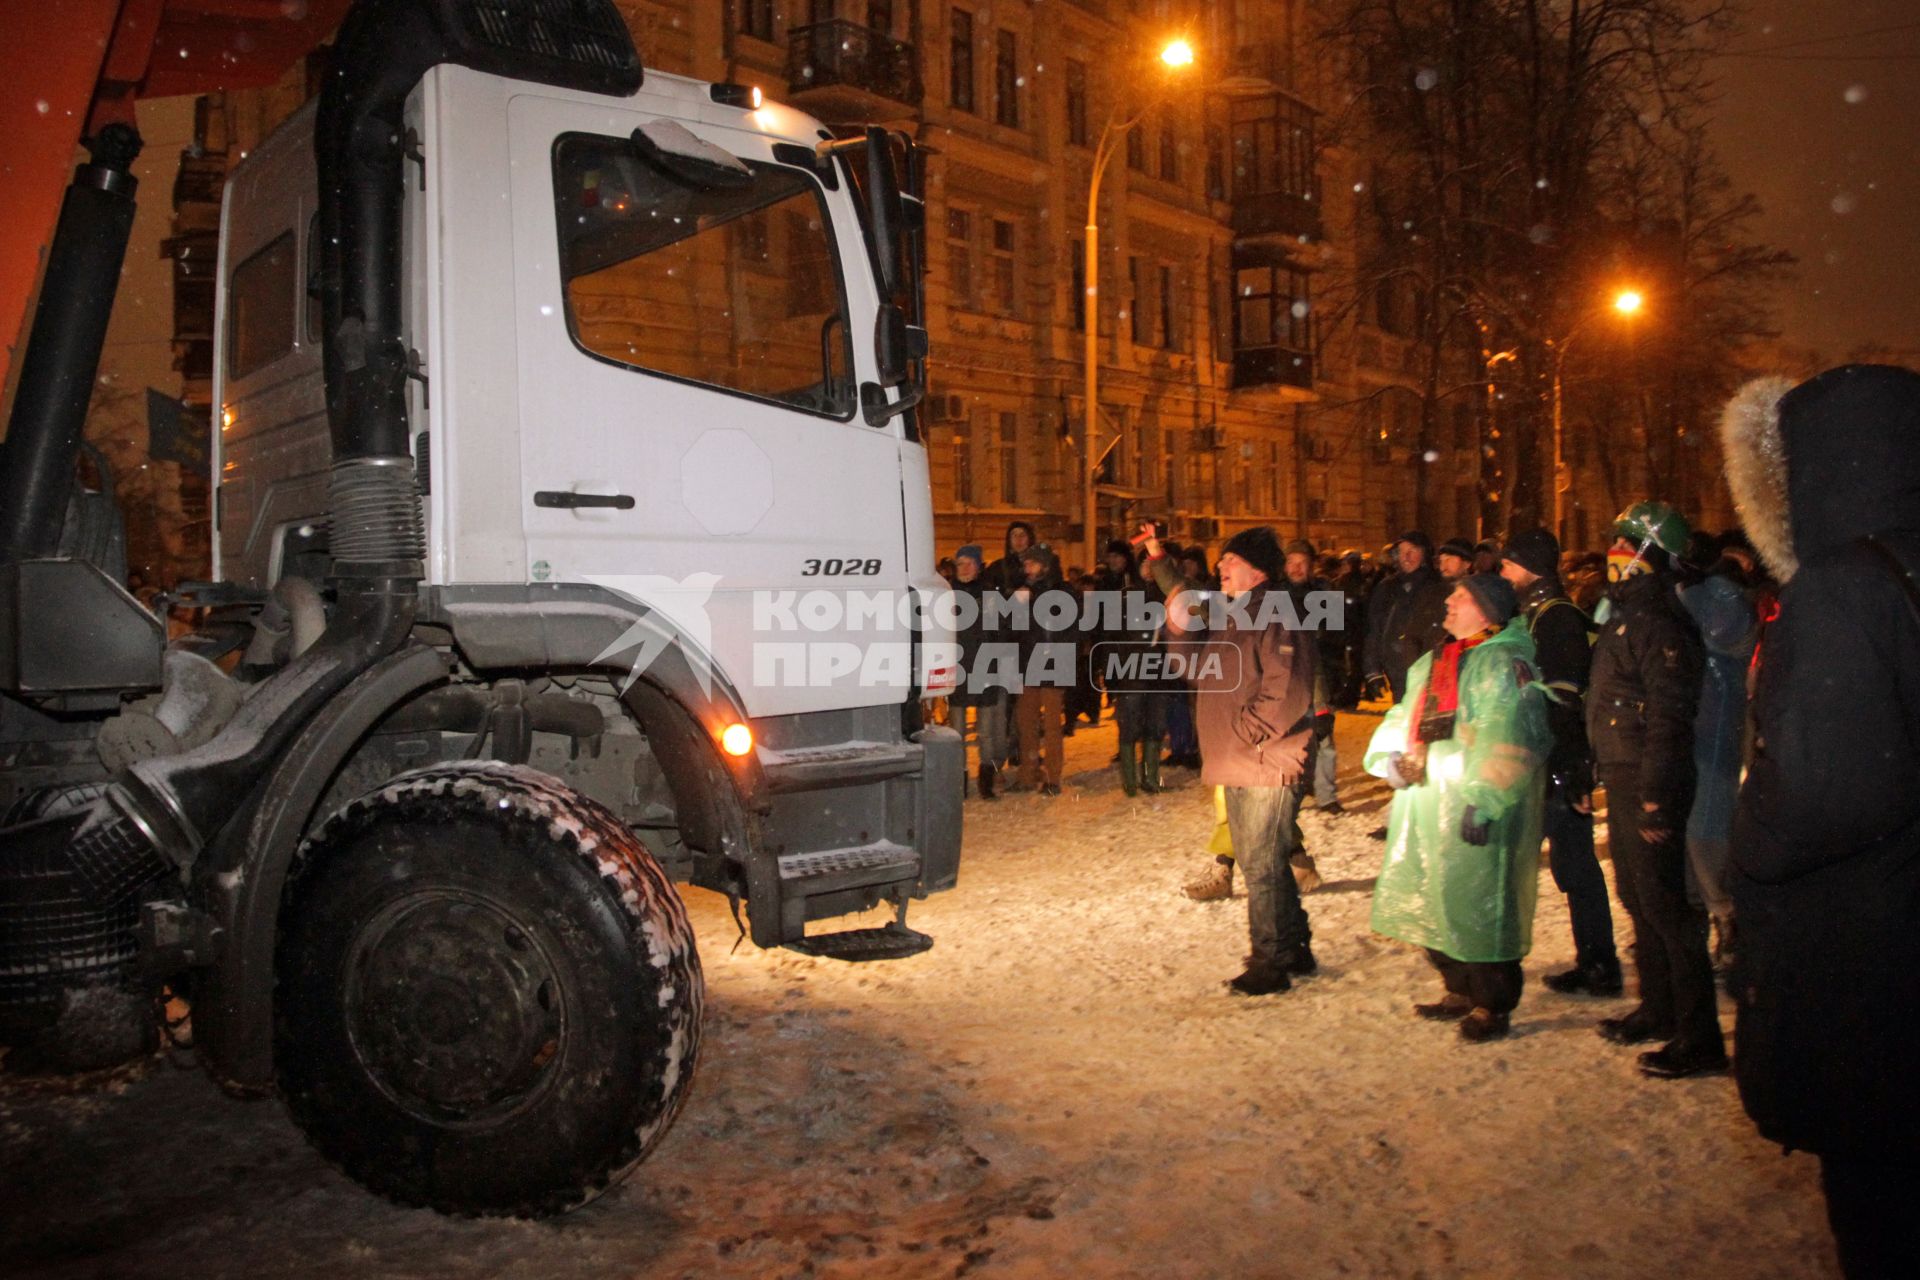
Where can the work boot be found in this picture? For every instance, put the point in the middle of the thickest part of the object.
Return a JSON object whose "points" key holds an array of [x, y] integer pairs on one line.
{"points": [[1588, 978], [1448, 1008], [1482, 1025], [1305, 873], [1260, 980], [1633, 1028], [1150, 768], [987, 792], [1130, 768], [1214, 884], [1300, 963], [1677, 1061]]}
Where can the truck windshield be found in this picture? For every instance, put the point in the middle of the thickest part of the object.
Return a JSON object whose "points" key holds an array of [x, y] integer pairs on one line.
{"points": [[736, 287]]}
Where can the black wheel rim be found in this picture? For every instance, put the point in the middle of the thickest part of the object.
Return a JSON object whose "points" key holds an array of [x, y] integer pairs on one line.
{"points": [[454, 1008]]}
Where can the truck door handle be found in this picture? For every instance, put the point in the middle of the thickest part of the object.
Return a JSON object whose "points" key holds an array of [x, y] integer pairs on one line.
{"points": [[567, 498]]}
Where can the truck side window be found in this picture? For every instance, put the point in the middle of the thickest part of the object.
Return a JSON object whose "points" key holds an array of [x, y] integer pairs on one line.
{"points": [[736, 287], [262, 302]]}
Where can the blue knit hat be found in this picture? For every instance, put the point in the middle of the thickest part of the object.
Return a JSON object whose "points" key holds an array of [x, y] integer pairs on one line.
{"points": [[971, 552]]}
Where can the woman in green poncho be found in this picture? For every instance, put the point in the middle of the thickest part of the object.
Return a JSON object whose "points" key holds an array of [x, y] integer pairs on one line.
{"points": [[1464, 751]]}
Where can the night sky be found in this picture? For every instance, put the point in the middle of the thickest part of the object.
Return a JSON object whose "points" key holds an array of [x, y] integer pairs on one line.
{"points": [[1827, 134]]}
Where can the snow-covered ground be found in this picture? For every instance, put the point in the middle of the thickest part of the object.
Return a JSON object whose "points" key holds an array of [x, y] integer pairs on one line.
{"points": [[1061, 1087]]}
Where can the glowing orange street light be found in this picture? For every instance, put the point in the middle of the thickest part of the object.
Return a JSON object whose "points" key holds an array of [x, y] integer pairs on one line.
{"points": [[1176, 56], [736, 739], [1626, 304]]}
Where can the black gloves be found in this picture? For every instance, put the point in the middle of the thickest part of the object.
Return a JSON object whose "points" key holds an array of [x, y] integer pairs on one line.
{"points": [[1474, 829]]}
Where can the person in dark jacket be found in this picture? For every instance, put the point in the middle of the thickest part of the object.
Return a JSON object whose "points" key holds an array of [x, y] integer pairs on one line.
{"points": [[1454, 560], [1723, 606], [1129, 654], [1640, 708], [1183, 741], [1407, 615], [1007, 574], [1048, 662], [1826, 835], [979, 690], [1564, 650], [1253, 715]]}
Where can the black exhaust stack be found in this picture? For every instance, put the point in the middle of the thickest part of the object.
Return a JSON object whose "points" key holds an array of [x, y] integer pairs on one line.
{"points": [[160, 813], [62, 354]]}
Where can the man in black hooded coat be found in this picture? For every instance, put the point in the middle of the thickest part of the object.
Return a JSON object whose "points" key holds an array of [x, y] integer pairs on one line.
{"points": [[1407, 614], [1826, 837]]}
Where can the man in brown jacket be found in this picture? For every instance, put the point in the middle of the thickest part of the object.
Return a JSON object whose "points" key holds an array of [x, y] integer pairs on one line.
{"points": [[1254, 713]]}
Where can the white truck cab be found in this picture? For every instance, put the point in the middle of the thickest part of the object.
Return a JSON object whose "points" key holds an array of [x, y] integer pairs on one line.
{"points": [[573, 537]]}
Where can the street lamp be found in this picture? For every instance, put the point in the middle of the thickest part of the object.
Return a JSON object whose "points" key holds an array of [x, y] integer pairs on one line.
{"points": [[1176, 56], [1626, 303]]}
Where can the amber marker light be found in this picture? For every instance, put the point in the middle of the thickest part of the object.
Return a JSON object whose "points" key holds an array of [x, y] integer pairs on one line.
{"points": [[736, 739]]}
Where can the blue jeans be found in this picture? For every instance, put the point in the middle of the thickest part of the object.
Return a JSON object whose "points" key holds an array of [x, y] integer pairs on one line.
{"points": [[1576, 870], [1261, 822]]}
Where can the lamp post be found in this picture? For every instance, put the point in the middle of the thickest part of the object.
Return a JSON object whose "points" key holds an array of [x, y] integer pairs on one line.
{"points": [[1627, 302], [1176, 55]]}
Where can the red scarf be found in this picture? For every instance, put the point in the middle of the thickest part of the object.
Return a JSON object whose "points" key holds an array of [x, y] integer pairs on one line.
{"points": [[1439, 700]]}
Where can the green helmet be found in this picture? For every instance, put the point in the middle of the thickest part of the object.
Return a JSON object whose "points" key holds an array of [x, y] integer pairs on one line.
{"points": [[1656, 522]]}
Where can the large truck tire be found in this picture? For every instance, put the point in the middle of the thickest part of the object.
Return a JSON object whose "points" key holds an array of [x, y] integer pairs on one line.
{"points": [[488, 997]]}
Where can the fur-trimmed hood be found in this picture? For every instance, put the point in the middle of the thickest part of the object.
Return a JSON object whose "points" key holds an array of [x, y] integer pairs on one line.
{"points": [[1757, 470], [1816, 466]]}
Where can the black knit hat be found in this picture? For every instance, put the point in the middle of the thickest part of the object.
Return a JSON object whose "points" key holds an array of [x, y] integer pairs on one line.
{"points": [[1494, 595], [1301, 547], [1418, 539], [1537, 551], [1260, 548]]}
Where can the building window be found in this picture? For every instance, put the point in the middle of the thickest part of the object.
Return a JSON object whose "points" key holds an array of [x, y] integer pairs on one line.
{"points": [[880, 16], [1080, 285], [756, 19], [1006, 80], [1168, 337], [1216, 164], [962, 470], [1136, 150], [1274, 474], [1272, 326], [1009, 460], [1137, 313], [960, 257], [1274, 180], [1169, 149], [1000, 261], [960, 62], [1076, 103]]}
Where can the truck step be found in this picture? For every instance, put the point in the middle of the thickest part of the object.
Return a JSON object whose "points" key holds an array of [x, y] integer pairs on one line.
{"points": [[839, 764], [890, 942], [831, 870]]}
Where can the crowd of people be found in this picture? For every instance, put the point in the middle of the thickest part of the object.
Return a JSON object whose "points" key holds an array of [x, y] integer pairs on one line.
{"points": [[1747, 703]]}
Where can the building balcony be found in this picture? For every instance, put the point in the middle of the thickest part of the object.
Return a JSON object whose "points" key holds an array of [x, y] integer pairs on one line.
{"points": [[1260, 67], [845, 73], [1272, 367], [1277, 213]]}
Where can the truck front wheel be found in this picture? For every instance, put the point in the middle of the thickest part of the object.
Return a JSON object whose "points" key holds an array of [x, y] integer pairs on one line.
{"points": [[488, 998]]}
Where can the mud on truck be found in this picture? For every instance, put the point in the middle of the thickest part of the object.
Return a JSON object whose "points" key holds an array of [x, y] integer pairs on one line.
{"points": [[537, 374]]}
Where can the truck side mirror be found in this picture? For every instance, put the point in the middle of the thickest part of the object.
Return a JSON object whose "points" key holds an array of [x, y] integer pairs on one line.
{"points": [[884, 211]]}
